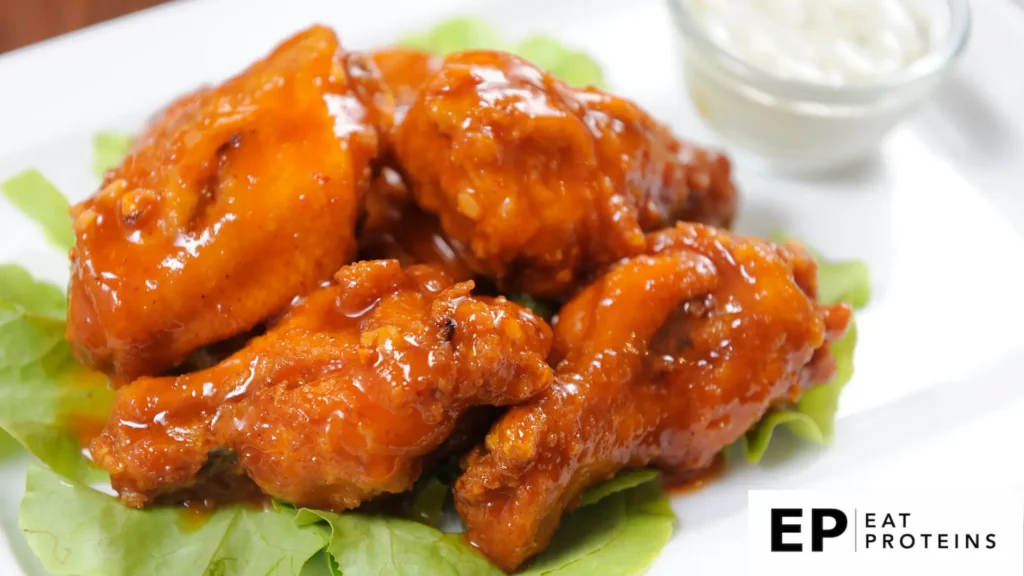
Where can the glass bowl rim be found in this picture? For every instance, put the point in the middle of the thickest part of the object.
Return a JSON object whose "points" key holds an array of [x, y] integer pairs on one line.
{"points": [[934, 63]]}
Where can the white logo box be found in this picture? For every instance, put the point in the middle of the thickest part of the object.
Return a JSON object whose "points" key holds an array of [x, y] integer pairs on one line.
{"points": [[957, 531]]}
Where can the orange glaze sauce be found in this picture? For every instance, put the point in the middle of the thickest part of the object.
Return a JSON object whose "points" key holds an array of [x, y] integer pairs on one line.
{"points": [[84, 427], [690, 483], [84, 411], [195, 515], [197, 511]]}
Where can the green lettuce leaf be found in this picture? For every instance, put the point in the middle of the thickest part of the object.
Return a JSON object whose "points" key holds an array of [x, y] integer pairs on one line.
{"points": [[428, 499], [35, 196], [47, 399], [319, 565], [76, 530], [281, 505], [572, 66], [843, 281], [541, 308], [621, 535], [813, 417], [624, 481], [456, 35], [460, 34], [19, 290], [362, 545], [8, 446], [108, 149]]}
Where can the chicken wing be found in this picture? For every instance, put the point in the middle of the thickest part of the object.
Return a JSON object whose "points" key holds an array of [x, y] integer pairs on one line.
{"points": [[394, 227], [544, 184], [338, 402], [405, 71], [665, 360], [237, 199]]}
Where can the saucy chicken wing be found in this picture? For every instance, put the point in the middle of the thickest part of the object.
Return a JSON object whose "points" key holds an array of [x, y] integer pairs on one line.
{"points": [[394, 227], [405, 71], [233, 202], [338, 402], [665, 360], [544, 184]]}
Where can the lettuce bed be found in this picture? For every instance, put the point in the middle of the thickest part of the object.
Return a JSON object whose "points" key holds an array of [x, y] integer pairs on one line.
{"points": [[619, 529]]}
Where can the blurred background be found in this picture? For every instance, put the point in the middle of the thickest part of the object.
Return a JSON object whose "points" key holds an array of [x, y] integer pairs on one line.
{"points": [[23, 22]]}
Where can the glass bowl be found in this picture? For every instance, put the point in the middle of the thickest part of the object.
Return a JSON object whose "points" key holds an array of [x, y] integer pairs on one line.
{"points": [[800, 125]]}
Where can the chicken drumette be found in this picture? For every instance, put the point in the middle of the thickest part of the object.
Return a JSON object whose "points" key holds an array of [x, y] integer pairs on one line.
{"points": [[234, 201], [665, 360], [544, 184], [337, 403]]}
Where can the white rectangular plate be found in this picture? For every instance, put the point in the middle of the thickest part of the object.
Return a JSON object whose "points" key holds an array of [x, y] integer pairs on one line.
{"points": [[938, 216]]}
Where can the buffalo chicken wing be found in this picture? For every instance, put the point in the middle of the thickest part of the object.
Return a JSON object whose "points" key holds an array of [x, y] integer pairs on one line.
{"points": [[405, 71], [665, 360], [394, 227], [237, 199], [544, 184], [339, 402]]}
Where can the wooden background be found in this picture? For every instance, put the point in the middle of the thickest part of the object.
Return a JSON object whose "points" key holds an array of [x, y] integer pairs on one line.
{"points": [[23, 22]]}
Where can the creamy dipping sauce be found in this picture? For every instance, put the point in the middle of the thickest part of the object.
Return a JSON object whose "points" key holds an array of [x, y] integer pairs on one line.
{"points": [[835, 42]]}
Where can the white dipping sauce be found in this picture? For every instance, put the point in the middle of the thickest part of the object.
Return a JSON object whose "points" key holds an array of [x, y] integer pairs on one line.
{"points": [[835, 42]]}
